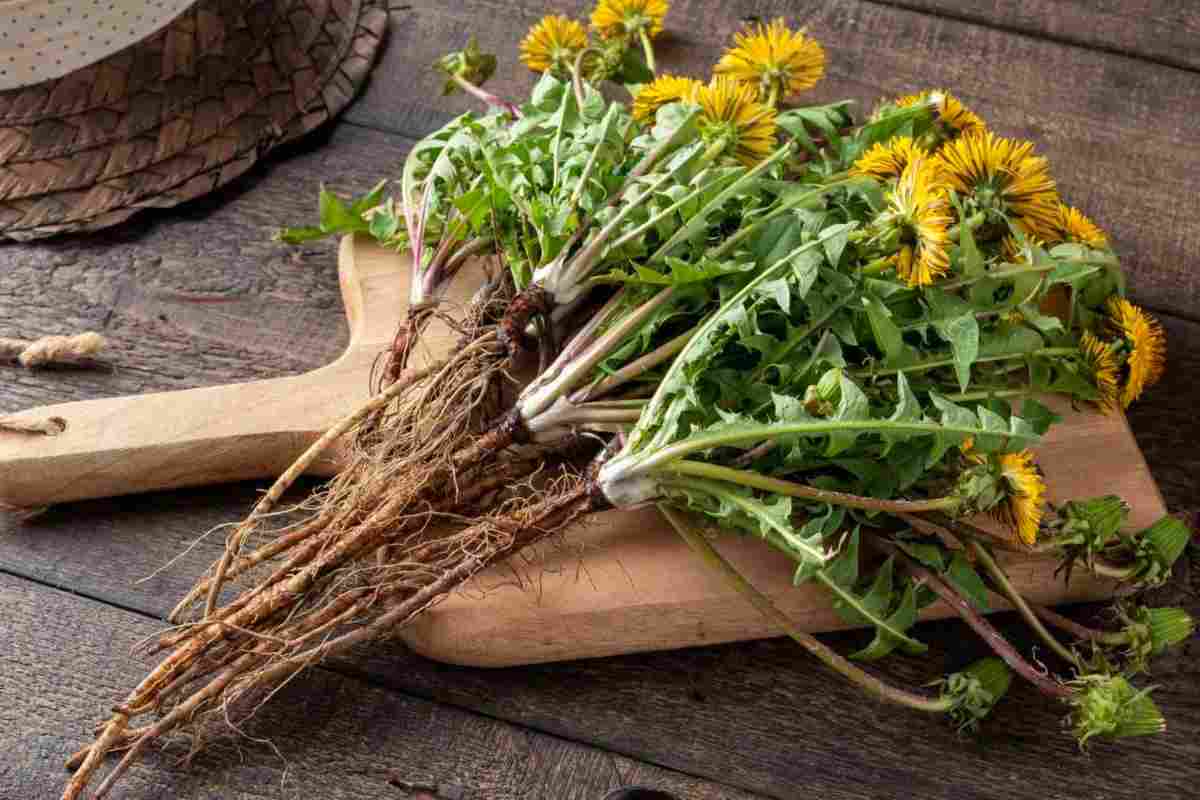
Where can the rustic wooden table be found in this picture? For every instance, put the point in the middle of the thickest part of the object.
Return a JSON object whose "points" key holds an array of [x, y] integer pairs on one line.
{"points": [[201, 295]]}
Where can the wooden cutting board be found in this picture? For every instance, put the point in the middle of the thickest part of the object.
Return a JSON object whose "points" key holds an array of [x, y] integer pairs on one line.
{"points": [[623, 583]]}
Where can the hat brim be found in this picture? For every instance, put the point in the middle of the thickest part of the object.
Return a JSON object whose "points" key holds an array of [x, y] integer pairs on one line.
{"points": [[90, 168]]}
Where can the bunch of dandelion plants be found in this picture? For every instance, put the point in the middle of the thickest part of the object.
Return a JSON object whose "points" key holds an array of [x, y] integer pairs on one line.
{"points": [[764, 318]]}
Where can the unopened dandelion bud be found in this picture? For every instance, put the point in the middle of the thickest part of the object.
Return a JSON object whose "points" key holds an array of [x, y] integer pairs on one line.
{"points": [[1093, 523], [1158, 548], [470, 64], [1109, 706], [973, 692], [1168, 627]]}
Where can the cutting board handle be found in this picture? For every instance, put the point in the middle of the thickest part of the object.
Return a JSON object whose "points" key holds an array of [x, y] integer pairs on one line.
{"points": [[124, 445]]}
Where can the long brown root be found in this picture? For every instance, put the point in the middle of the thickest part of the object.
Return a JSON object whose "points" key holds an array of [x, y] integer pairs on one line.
{"points": [[243, 672], [439, 484]]}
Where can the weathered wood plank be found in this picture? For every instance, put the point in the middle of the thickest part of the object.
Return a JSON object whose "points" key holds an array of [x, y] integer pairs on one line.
{"points": [[201, 295], [64, 661], [1119, 132], [1164, 31]]}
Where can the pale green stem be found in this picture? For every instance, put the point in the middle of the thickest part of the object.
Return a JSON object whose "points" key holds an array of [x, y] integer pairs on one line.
{"points": [[799, 198], [635, 368], [987, 394], [716, 202], [773, 95], [669, 210], [999, 274], [755, 433], [861, 678], [1013, 596], [755, 480], [647, 49], [1107, 569], [795, 338], [922, 366], [540, 395]]}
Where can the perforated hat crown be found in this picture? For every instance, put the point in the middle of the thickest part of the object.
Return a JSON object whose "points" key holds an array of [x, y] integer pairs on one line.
{"points": [[111, 106]]}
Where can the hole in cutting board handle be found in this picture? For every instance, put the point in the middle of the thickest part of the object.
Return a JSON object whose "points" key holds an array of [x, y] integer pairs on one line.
{"points": [[639, 793]]}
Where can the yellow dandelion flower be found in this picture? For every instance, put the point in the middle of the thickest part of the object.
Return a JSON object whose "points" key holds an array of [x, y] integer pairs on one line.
{"points": [[659, 92], [918, 205], [1147, 347], [1004, 174], [731, 112], [950, 110], [1104, 368], [552, 44], [1025, 496], [1074, 226], [888, 159], [615, 19], [774, 59]]}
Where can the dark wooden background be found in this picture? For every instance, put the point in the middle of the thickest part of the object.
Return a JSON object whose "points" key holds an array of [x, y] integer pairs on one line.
{"points": [[200, 295]]}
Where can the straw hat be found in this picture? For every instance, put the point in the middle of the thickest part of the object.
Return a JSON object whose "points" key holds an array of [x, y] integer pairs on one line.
{"points": [[111, 106]]}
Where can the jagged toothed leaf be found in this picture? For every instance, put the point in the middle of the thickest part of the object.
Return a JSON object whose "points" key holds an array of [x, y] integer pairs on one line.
{"points": [[954, 417], [962, 332], [813, 122], [1038, 416], [834, 239], [908, 409], [969, 257], [880, 605], [768, 517], [886, 637], [680, 272], [853, 405]]}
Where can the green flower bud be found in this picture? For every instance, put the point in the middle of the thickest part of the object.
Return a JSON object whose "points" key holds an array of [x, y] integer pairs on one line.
{"points": [[1157, 549], [972, 692], [1107, 705], [471, 64], [1093, 523], [1168, 627], [1149, 632]]}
